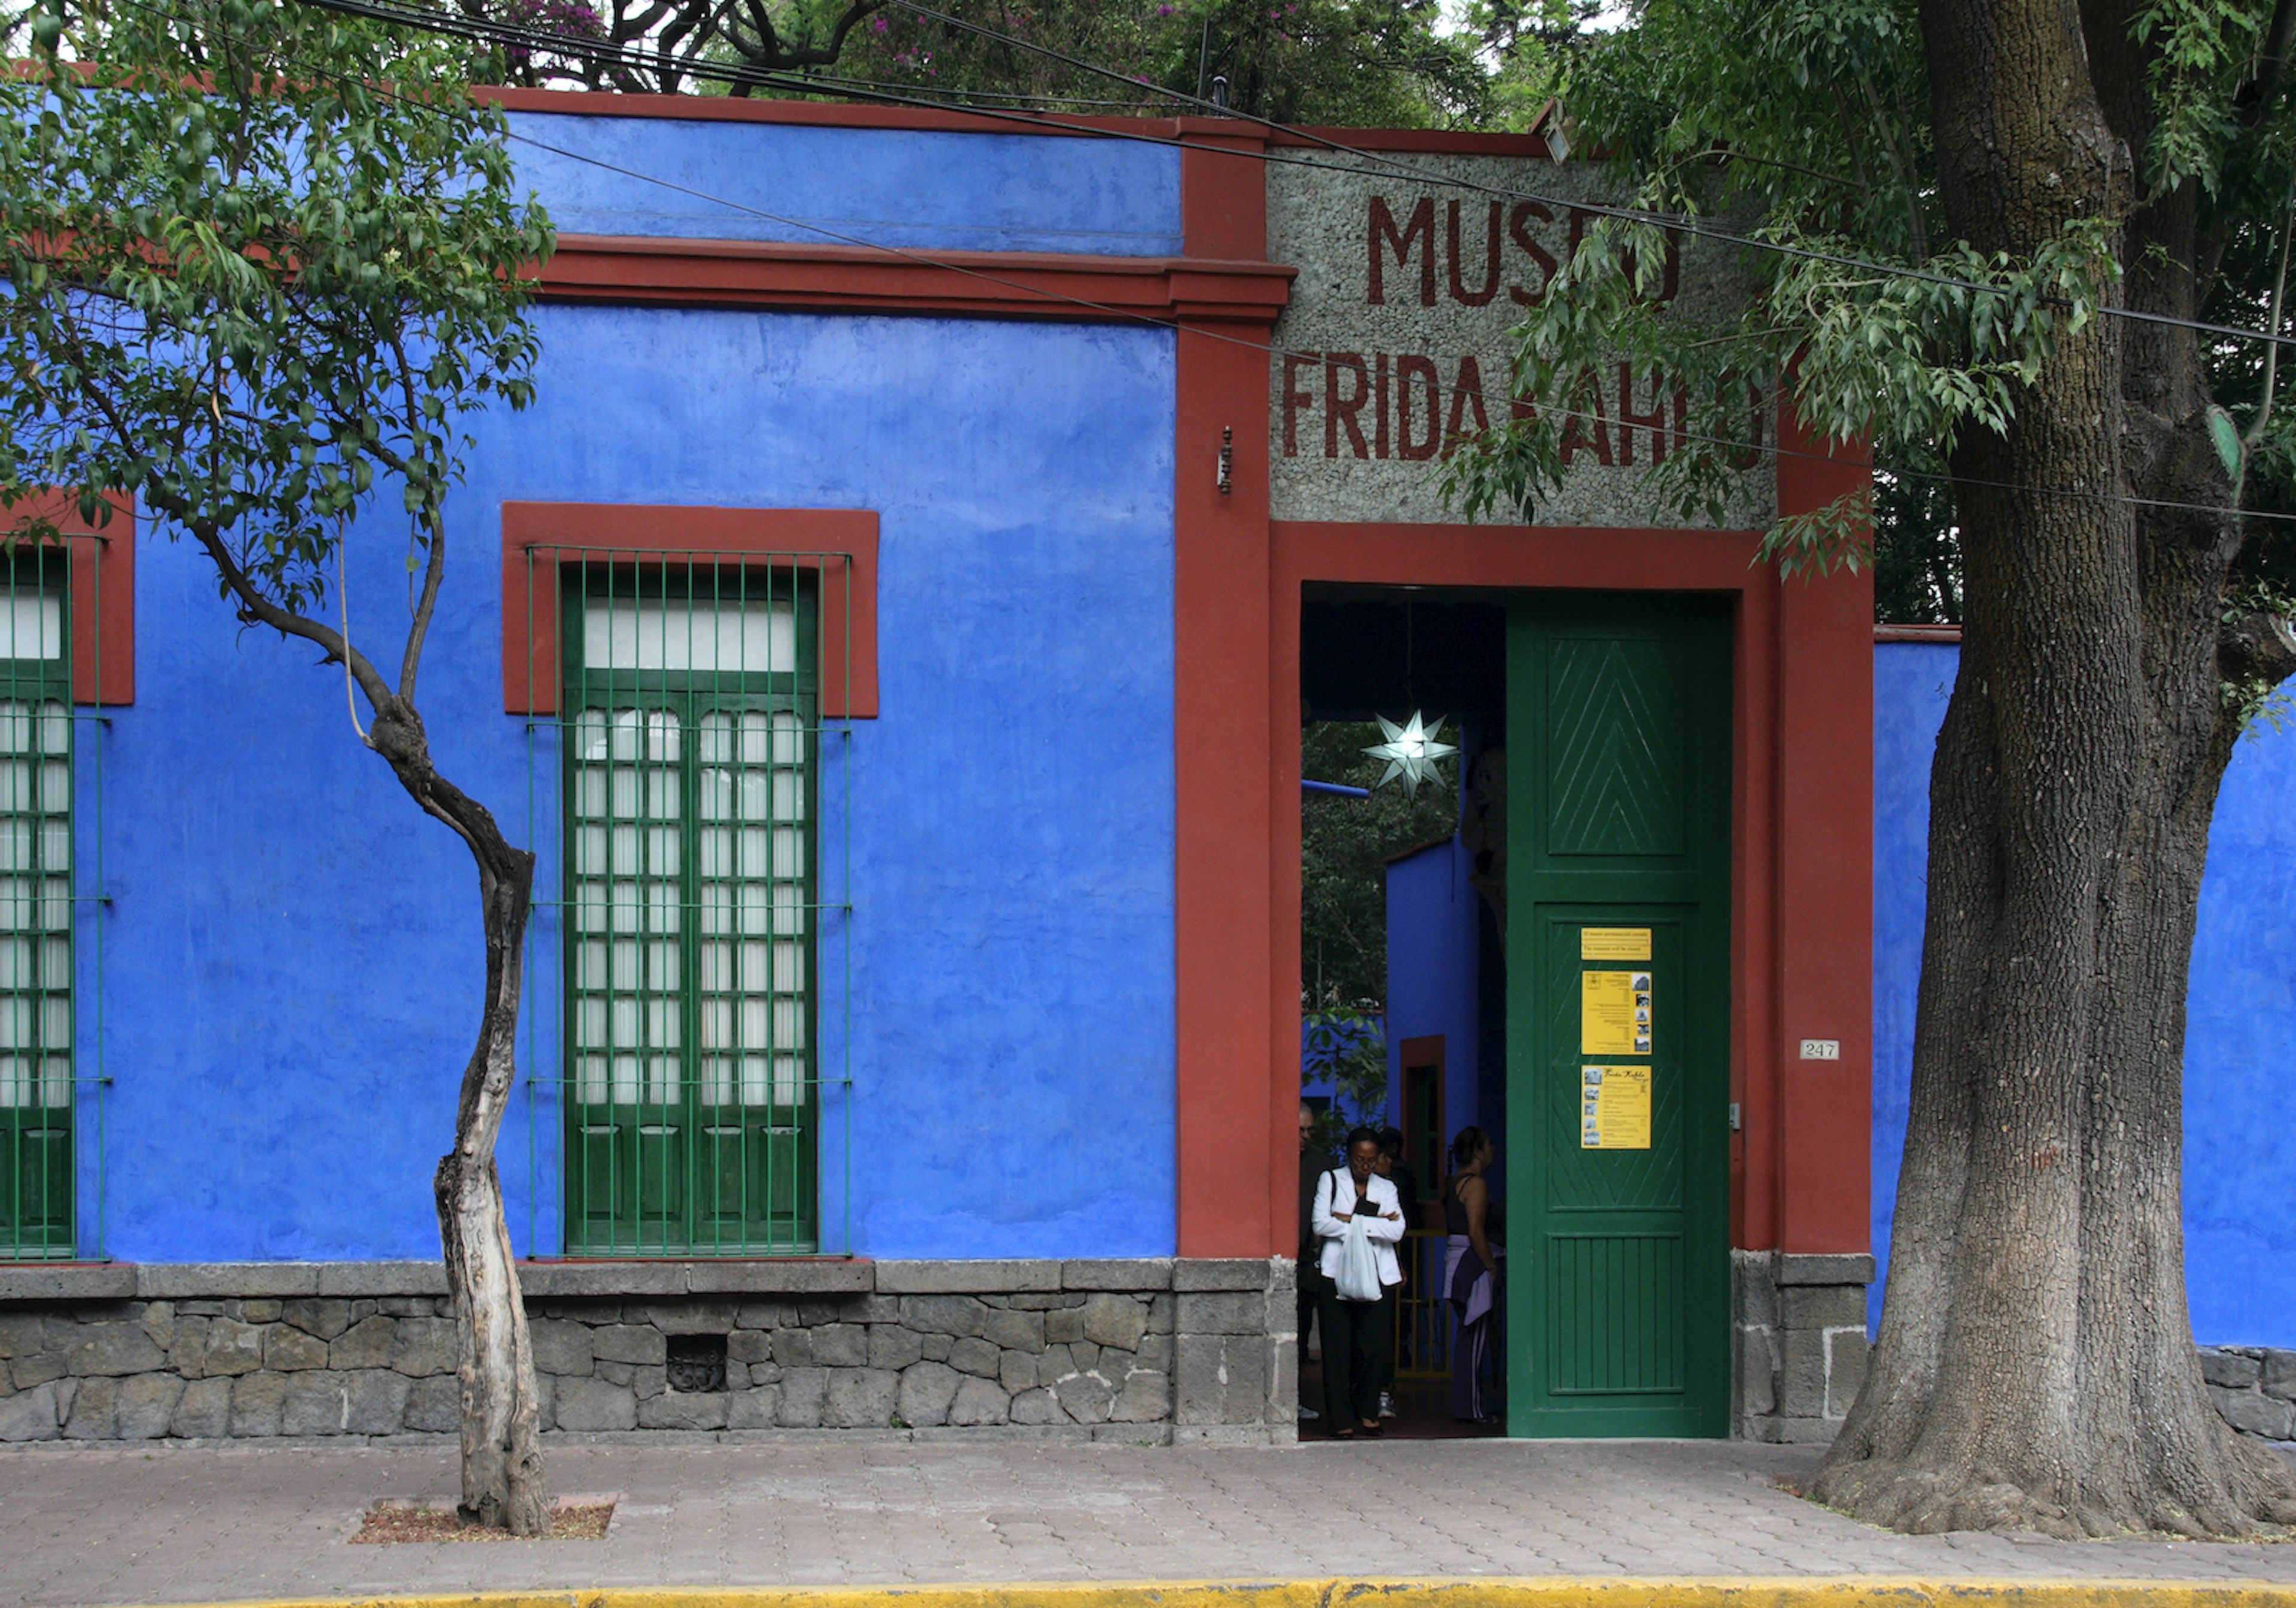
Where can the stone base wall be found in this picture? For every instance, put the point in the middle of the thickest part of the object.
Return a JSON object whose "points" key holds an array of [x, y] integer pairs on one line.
{"points": [[1150, 1351], [1797, 1341], [2254, 1387]]}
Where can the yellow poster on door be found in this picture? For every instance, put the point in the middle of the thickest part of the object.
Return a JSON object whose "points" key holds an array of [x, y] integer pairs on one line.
{"points": [[1614, 944], [1614, 1104], [1606, 1013]]}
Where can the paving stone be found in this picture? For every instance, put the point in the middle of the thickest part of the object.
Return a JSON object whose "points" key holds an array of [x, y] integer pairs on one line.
{"points": [[288, 1350], [927, 1387], [1014, 1331], [203, 1412], [974, 1356], [1016, 1371], [233, 1348], [314, 1404], [649, 1382], [2233, 1370], [2255, 1413], [841, 1346], [378, 1400], [758, 1408], [1821, 1306], [742, 1345], [1146, 1398], [802, 1390], [37, 1369], [766, 1315], [434, 1405], [1115, 1320], [365, 1344], [686, 1317], [592, 1404], [682, 1409], [158, 1321], [1155, 1352], [1845, 1373], [147, 1405], [1223, 1312], [2280, 1373], [793, 1347], [93, 1415], [979, 1402], [30, 1415], [109, 1348], [425, 1346], [1064, 1326], [562, 1348], [936, 1348], [1123, 1273], [1084, 1398], [953, 1315], [894, 1348], [927, 1277], [256, 1402], [263, 1311], [322, 1318], [1209, 1273], [630, 1342], [859, 1398], [1038, 1406]]}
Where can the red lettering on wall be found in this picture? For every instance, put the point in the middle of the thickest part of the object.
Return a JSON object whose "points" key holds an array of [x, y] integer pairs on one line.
{"points": [[1421, 227], [1630, 416], [1459, 291], [1517, 220], [1588, 430], [1466, 396], [1421, 368], [1294, 399], [1379, 406], [1342, 410]]}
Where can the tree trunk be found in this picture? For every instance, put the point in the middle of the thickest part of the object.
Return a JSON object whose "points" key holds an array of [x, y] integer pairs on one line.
{"points": [[501, 1458], [2036, 1366]]}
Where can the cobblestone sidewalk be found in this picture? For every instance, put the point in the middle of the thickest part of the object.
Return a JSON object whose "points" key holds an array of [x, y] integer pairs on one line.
{"points": [[184, 1524]]}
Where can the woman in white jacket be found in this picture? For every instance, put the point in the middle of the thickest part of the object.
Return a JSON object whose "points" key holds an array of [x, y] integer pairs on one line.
{"points": [[1359, 1332]]}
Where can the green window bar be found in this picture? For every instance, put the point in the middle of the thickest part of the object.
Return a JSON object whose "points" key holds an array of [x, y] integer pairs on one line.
{"points": [[39, 1085], [688, 909]]}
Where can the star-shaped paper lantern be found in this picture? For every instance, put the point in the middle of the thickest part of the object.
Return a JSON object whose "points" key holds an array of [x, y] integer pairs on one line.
{"points": [[1410, 751]]}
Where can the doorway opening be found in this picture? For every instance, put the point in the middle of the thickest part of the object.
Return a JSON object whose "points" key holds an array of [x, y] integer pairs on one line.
{"points": [[1592, 732], [1402, 987]]}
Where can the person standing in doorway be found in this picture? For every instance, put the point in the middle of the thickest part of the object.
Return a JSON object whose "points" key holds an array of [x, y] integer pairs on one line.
{"points": [[1471, 1271], [1357, 1333], [1398, 1172], [1309, 1277]]}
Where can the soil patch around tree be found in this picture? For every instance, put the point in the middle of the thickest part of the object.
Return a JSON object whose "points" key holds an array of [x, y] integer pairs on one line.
{"points": [[395, 1519]]}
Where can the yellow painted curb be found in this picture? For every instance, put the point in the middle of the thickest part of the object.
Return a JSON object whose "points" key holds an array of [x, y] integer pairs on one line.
{"points": [[1861, 1592]]}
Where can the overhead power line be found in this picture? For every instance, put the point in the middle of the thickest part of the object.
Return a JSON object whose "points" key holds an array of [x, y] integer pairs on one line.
{"points": [[1129, 316]]}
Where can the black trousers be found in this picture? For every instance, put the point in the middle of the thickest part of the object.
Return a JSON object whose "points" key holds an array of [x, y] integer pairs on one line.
{"points": [[1359, 1347]]}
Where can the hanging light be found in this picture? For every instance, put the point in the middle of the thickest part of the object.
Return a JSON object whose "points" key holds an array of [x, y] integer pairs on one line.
{"points": [[1410, 751]]}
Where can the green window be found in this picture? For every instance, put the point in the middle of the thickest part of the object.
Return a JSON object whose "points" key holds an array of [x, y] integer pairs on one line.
{"points": [[692, 742], [35, 913]]}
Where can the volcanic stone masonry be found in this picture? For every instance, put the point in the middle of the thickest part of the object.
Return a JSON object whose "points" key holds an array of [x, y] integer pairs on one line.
{"points": [[1149, 1352]]}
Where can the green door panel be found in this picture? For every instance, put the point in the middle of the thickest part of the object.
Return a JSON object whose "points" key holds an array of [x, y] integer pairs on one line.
{"points": [[1619, 766]]}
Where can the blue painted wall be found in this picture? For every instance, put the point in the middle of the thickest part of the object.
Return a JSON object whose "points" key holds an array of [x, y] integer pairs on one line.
{"points": [[2240, 1156], [827, 186], [1431, 974], [289, 967]]}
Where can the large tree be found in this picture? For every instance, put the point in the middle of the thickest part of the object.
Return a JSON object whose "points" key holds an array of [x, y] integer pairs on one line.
{"points": [[1992, 227], [261, 263]]}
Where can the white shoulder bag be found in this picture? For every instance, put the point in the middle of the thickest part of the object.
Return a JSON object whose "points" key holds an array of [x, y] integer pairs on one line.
{"points": [[1359, 1274]]}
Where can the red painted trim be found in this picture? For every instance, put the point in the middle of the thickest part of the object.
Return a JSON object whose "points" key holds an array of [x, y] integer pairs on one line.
{"points": [[103, 594], [647, 271], [1825, 873], [1917, 633], [1444, 141], [1234, 1131], [840, 543]]}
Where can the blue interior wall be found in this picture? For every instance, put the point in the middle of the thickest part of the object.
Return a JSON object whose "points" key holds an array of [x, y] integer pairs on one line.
{"points": [[1430, 975], [2240, 1157], [290, 969]]}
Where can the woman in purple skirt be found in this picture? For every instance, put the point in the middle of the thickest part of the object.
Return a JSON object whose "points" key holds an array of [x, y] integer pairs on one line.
{"points": [[1470, 1268]]}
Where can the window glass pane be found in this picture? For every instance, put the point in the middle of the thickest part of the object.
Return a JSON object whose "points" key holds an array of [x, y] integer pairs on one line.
{"points": [[723, 637]]}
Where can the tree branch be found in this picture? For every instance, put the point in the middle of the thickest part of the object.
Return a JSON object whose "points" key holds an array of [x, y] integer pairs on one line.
{"points": [[2257, 646]]}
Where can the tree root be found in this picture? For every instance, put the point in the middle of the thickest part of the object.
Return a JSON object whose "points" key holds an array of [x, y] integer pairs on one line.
{"points": [[1914, 1499]]}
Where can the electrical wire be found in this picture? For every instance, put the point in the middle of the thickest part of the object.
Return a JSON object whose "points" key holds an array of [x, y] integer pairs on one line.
{"points": [[480, 30], [1268, 348]]}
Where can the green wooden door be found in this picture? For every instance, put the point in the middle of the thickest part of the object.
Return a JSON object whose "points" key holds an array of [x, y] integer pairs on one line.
{"points": [[1617, 1015]]}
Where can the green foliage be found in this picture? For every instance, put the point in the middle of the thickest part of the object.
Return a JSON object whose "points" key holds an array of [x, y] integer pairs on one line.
{"points": [[1916, 551], [259, 259], [1356, 62], [1344, 844], [1347, 1050]]}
